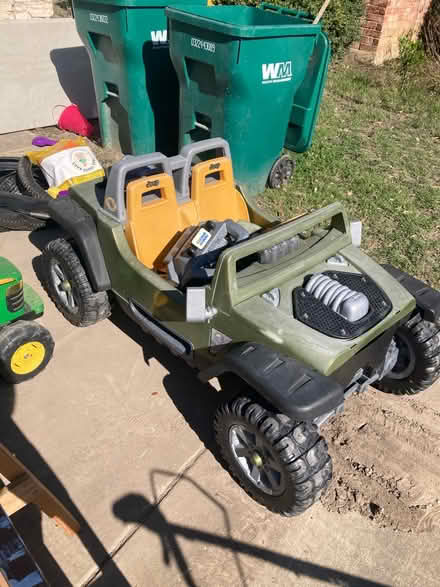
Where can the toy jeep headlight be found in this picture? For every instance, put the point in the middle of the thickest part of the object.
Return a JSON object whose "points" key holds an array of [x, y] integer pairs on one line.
{"points": [[15, 297]]}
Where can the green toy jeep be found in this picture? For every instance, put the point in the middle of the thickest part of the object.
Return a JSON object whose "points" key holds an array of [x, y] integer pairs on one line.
{"points": [[26, 347], [294, 310]]}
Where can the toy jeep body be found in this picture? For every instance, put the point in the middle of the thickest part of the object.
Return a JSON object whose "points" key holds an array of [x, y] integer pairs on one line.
{"points": [[25, 346], [296, 311]]}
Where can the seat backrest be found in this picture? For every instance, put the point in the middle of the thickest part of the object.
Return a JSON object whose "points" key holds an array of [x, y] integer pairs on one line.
{"points": [[152, 217], [213, 191]]}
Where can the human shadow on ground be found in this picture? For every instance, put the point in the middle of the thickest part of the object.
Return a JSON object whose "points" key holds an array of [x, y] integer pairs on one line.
{"points": [[28, 520], [197, 403], [171, 534]]}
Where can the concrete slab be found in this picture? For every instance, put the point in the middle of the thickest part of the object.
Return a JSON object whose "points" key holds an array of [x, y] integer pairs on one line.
{"points": [[44, 65], [97, 422], [116, 424], [16, 143], [207, 532]]}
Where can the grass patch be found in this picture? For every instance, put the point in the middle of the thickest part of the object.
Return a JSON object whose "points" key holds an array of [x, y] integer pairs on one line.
{"points": [[377, 150]]}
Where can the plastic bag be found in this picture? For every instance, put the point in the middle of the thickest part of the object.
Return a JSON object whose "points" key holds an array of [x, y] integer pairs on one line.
{"points": [[68, 162]]}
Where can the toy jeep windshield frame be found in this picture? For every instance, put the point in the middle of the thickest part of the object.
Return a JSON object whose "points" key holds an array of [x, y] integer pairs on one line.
{"points": [[259, 278]]}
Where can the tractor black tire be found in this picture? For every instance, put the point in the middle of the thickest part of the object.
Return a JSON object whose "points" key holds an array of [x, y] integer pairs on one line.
{"points": [[36, 345], [418, 362], [66, 282], [31, 180], [299, 454]]}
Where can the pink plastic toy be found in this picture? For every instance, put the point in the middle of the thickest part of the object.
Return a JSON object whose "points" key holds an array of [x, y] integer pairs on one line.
{"points": [[71, 119]]}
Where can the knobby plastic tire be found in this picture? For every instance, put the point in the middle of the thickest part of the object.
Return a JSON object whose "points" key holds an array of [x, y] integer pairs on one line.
{"points": [[424, 338], [301, 451], [27, 180], [92, 306]]}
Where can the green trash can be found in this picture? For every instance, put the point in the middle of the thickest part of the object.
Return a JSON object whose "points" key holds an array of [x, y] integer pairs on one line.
{"points": [[136, 87], [253, 76]]}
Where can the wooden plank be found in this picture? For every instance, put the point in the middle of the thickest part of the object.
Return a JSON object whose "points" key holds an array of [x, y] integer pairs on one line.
{"points": [[9, 466], [26, 488], [321, 12], [18, 494]]}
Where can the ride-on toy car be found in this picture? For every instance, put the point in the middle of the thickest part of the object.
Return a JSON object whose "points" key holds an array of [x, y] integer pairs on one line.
{"points": [[26, 347], [294, 310]]}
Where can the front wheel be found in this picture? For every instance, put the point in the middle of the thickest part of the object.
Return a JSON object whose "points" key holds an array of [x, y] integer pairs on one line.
{"points": [[65, 280], [283, 465], [418, 359], [25, 350]]}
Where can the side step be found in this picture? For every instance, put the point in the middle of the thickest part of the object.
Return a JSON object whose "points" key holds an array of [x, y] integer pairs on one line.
{"points": [[177, 345]]}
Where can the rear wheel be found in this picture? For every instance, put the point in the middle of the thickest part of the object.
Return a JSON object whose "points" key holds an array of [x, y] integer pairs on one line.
{"points": [[31, 180], [283, 465], [16, 220], [67, 284], [12, 220], [281, 172], [418, 361], [25, 350]]}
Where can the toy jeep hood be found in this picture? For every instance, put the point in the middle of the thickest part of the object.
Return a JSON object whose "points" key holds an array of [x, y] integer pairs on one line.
{"points": [[269, 303]]}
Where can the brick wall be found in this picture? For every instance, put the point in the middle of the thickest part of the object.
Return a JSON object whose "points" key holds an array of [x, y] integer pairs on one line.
{"points": [[385, 21], [23, 9]]}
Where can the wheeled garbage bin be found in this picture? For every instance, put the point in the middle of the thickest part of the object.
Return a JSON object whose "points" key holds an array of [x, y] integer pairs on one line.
{"points": [[135, 83], [253, 76]]}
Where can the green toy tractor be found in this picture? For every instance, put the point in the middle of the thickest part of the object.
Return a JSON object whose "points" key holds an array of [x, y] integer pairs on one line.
{"points": [[293, 314], [26, 347]]}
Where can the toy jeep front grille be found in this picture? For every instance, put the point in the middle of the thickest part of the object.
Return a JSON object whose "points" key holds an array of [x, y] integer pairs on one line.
{"points": [[314, 313]]}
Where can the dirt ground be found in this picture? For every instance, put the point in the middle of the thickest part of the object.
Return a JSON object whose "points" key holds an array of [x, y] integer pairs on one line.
{"points": [[386, 458]]}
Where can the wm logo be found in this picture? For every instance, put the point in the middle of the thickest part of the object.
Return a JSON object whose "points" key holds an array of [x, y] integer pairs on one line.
{"points": [[277, 72], [159, 37]]}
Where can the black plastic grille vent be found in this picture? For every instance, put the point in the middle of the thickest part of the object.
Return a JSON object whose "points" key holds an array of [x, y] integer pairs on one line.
{"points": [[310, 311], [15, 302]]}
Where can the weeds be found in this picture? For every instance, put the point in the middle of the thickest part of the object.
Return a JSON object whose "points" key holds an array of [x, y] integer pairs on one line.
{"points": [[376, 149], [411, 56]]}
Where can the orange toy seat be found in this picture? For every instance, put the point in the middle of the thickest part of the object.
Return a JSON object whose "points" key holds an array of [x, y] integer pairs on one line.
{"points": [[213, 191], [153, 220]]}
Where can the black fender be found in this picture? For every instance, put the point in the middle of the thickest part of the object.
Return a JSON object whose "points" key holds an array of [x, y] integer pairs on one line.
{"points": [[427, 298], [77, 223], [296, 390]]}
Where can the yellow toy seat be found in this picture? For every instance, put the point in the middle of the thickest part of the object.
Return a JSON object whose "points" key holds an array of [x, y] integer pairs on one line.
{"points": [[155, 218], [213, 191], [152, 216]]}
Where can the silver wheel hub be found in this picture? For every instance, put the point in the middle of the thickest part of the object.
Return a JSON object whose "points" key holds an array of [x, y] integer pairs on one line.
{"points": [[63, 287], [406, 358], [257, 459]]}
